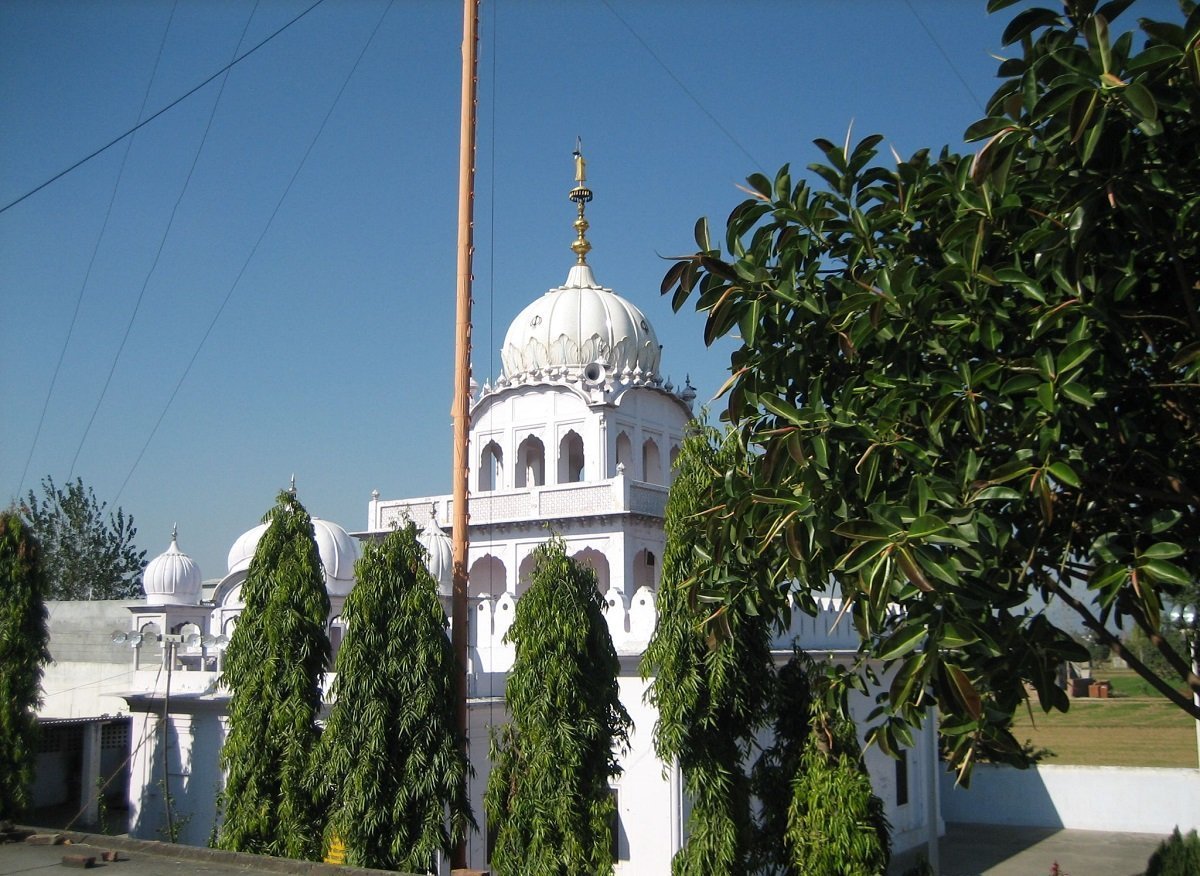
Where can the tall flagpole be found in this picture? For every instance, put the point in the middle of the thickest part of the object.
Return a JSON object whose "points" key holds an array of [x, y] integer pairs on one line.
{"points": [[462, 371]]}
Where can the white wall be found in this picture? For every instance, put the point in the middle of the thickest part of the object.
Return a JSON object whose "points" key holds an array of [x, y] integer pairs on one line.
{"points": [[1125, 799]]}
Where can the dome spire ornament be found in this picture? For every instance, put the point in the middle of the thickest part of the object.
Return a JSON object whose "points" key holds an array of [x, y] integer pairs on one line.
{"points": [[580, 194]]}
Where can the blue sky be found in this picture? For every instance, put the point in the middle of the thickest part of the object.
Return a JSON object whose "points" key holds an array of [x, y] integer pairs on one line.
{"points": [[332, 356]]}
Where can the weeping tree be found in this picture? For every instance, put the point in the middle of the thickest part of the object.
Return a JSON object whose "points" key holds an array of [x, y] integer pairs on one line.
{"points": [[391, 754], [23, 653], [710, 665], [273, 670], [548, 793], [819, 814]]}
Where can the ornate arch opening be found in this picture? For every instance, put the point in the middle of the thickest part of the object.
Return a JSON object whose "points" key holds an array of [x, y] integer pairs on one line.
{"points": [[570, 458], [596, 561], [652, 472], [645, 570], [488, 578], [625, 453], [491, 467], [531, 463]]}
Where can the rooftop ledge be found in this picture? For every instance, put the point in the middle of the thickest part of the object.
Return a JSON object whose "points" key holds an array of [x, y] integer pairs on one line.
{"points": [[619, 495]]}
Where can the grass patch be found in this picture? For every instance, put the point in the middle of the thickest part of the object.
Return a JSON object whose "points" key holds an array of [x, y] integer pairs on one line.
{"points": [[1138, 727]]}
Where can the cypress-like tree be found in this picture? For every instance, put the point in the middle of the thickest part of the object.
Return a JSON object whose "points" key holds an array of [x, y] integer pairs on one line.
{"points": [[23, 652], [548, 792], [836, 825], [711, 672], [391, 751], [273, 669]]}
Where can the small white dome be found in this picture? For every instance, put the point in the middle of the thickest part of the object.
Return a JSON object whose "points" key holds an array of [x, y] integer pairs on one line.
{"points": [[441, 556], [576, 325], [172, 578], [337, 549]]}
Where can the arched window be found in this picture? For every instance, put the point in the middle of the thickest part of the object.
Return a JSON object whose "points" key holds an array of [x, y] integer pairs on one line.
{"points": [[524, 575], [645, 569], [651, 463], [150, 650], [625, 454], [570, 459], [599, 563], [674, 459], [491, 467], [488, 577], [531, 463]]}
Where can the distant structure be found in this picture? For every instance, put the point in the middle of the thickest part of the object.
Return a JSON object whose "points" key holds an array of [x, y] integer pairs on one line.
{"points": [[578, 435]]}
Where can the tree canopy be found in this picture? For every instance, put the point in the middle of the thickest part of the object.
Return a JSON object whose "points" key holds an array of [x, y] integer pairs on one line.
{"points": [[970, 385], [23, 652], [86, 552], [273, 671], [391, 753], [548, 797]]}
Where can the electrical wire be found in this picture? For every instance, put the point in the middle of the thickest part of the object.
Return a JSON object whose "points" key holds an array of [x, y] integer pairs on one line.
{"points": [[253, 250], [683, 87], [933, 39], [162, 242], [37, 434], [169, 106]]}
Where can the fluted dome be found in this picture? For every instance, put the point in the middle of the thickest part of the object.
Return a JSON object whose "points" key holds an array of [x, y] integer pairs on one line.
{"points": [[172, 578], [337, 549], [577, 325], [441, 556], [338, 554], [243, 549]]}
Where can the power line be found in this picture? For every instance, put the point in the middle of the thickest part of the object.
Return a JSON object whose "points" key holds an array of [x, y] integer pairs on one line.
{"points": [[933, 39], [37, 434], [162, 242], [691, 96], [171, 105], [253, 250]]}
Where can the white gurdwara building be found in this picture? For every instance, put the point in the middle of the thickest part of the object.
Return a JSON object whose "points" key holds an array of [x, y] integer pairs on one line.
{"points": [[578, 437]]}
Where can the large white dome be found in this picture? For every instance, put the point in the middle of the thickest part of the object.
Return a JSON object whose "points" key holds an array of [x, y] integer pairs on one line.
{"points": [[172, 578], [337, 549], [580, 323]]}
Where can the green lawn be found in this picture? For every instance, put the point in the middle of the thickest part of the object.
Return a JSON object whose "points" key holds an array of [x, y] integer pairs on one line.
{"points": [[1137, 727]]}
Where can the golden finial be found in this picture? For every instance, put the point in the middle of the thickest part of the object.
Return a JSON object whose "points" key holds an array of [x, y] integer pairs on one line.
{"points": [[581, 194]]}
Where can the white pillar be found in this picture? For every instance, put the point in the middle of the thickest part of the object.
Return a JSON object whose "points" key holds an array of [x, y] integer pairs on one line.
{"points": [[89, 781], [932, 804]]}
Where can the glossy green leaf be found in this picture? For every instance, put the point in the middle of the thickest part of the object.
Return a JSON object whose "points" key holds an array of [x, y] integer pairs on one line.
{"points": [[1064, 474]]}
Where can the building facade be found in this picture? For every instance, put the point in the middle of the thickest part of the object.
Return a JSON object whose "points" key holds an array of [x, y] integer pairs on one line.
{"points": [[576, 437]]}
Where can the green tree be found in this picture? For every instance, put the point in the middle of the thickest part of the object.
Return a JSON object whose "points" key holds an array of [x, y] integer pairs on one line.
{"points": [[23, 653], [548, 793], [86, 553], [391, 752], [832, 821], [273, 671], [967, 381], [710, 666]]}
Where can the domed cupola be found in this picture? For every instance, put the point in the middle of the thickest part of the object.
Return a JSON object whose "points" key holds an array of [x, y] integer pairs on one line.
{"points": [[580, 329], [172, 578], [440, 561], [337, 549], [338, 552]]}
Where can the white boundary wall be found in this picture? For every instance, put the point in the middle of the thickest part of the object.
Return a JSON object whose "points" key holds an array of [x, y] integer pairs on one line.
{"points": [[1121, 799]]}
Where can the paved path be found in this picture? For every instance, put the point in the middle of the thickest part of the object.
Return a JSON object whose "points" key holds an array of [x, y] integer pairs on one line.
{"points": [[992, 850]]}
